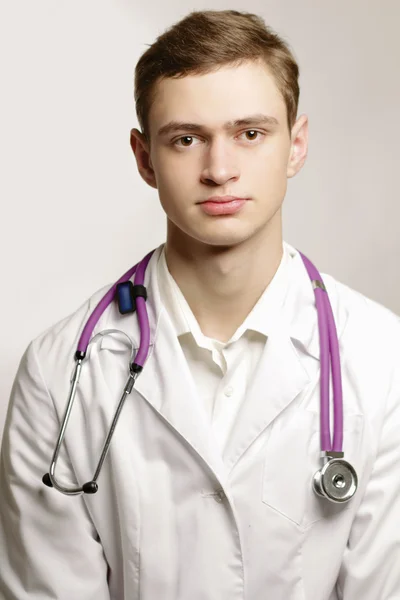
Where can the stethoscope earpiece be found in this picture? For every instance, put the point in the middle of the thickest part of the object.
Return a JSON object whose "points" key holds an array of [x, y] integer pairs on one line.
{"points": [[90, 487], [336, 481], [46, 480]]}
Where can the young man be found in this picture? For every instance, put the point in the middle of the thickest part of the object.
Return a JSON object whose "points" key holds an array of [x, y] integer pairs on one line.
{"points": [[206, 492]]}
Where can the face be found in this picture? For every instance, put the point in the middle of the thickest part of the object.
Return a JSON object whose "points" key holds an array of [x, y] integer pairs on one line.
{"points": [[250, 160]]}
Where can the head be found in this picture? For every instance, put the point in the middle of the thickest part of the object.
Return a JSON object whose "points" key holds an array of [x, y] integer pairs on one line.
{"points": [[206, 72]]}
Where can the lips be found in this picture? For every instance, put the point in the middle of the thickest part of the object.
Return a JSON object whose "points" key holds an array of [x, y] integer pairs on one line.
{"points": [[223, 208], [223, 199]]}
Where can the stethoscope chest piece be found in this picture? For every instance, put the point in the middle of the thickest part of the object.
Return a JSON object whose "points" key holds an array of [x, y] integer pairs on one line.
{"points": [[336, 481]]}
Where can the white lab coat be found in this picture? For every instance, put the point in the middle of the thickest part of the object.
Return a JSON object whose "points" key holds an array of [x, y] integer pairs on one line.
{"points": [[175, 520]]}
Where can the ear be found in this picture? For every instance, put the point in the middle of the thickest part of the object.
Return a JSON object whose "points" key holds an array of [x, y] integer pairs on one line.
{"points": [[298, 146], [141, 150]]}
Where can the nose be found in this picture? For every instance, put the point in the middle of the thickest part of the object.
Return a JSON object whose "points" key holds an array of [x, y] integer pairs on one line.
{"points": [[220, 164]]}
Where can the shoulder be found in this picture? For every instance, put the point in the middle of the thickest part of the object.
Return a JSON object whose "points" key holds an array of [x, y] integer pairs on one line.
{"points": [[359, 320], [362, 315], [64, 335], [57, 344], [369, 343]]}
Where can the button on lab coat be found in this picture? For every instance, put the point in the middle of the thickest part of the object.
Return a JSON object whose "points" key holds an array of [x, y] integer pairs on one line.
{"points": [[175, 518]]}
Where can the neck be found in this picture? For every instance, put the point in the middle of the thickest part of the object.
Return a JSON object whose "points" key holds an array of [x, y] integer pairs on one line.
{"points": [[222, 284]]}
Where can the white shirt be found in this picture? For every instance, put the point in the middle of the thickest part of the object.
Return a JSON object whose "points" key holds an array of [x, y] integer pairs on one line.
{"points": [[222, 370]]}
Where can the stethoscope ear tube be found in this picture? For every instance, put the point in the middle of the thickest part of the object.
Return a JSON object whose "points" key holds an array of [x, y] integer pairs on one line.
{"points": [[49, 478], [89, 487]]}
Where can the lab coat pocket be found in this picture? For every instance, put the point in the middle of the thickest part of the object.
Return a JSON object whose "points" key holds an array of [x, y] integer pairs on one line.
{"points": [[291, 460]]}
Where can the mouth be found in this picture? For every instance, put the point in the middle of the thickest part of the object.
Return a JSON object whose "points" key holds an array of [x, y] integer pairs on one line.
{"points": [[223, 199], [223, 207]]}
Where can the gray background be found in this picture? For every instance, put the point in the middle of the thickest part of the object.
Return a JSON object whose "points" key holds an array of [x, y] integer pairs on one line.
{"points": [[75, 213]]}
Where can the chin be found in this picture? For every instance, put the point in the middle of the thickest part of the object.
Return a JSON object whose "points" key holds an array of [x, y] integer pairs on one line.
{"points": [[220, 237]]}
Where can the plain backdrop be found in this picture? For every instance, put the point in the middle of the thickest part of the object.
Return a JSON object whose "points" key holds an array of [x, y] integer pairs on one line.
{"points": [[75, 213]]}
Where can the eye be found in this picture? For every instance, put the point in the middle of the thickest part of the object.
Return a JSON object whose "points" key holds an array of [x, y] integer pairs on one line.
{"points": [[191, 137], [185, 137], [253, 131]]}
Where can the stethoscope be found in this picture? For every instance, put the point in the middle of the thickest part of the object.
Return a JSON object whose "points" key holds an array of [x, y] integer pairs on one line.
{"points": [[336, 480]]}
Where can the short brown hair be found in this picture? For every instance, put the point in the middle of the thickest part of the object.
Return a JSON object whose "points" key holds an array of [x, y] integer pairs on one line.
{"points": [[206, 40]]}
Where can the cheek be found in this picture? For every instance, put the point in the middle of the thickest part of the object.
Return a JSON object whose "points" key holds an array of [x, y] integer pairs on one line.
{"points": [[173, 170], [269, 166]]}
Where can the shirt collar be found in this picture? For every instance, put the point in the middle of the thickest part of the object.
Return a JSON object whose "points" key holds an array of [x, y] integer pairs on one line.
{"points": [[261, 318]]}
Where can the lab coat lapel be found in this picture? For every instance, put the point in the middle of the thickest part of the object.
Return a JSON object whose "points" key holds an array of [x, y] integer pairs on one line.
{"points": [[278, 379], [167, 384], [280, 375]]}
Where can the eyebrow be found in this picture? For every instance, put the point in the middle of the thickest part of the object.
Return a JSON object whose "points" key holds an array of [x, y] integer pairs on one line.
{"points": [[258, 119]]}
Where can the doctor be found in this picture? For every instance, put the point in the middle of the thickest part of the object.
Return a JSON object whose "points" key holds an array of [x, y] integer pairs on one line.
{"points": [[206, 492]]}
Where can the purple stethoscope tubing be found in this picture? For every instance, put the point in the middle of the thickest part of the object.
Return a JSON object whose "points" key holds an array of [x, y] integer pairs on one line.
{"points": [[138, 270], [329, 346], [329, 353]]}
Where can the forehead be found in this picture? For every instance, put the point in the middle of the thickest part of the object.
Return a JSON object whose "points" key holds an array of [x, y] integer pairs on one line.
{"points": [[214, 98]]}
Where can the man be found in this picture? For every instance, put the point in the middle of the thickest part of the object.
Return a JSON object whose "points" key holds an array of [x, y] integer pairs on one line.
{"points": [[206, 492]]}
